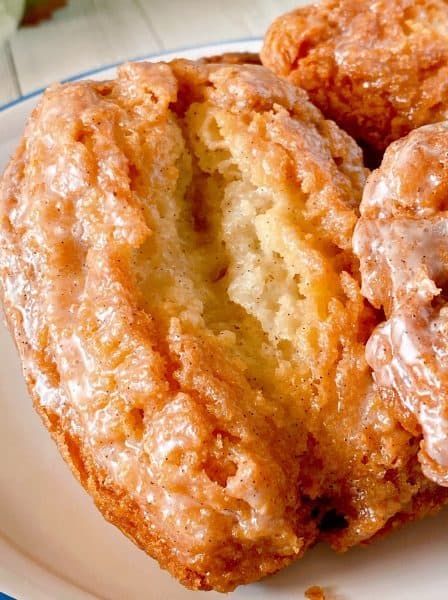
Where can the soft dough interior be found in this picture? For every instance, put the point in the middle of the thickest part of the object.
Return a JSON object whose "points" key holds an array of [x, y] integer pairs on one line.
{"points": [[242, 258]]}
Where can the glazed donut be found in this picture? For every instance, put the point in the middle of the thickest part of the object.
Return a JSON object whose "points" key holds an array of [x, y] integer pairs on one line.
{"points": [[177, 272], [377, 67], [402, 243]]}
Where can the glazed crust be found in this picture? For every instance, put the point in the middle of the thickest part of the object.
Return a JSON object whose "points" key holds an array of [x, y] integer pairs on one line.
{"points": [[178, 276], [378, 68], [401, 242]]}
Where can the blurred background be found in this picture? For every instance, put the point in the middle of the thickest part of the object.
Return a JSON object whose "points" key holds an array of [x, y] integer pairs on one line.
{"points": [[42, 41]]}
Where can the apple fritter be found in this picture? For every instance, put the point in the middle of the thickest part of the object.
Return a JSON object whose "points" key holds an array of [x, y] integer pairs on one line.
{"points": [[177, 272], [377, 67]]}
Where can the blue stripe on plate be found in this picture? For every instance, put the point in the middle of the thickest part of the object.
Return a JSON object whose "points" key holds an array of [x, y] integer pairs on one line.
{"points": [[90, 72], [5, 597]]}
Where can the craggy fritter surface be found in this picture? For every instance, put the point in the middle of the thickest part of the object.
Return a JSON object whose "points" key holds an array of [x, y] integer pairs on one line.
{"points": [[177, 273], [379, 68], [402, 242]]}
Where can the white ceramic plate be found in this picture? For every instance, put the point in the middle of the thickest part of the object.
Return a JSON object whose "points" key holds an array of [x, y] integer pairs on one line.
{"points": [[55, 545]]}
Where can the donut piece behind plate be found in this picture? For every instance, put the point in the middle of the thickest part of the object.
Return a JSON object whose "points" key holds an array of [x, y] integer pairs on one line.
{"points": [[377, 67], [234, 58], [177, 272]]}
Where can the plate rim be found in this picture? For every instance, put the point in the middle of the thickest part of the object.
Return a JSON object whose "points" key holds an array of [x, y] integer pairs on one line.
{"points": [[138, 58]]}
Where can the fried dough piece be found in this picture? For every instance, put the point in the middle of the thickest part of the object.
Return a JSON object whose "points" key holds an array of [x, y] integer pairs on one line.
{"points": [[379, 68], [234, 58], [402, 243], [177, 273]]}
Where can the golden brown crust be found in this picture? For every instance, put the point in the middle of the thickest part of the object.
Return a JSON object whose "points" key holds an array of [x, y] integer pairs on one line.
{"points": [[177, 273], [116, 506], [378, 68]]}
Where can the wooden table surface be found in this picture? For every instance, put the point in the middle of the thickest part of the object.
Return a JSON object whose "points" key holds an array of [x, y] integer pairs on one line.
{"points": [[90, 33]]}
